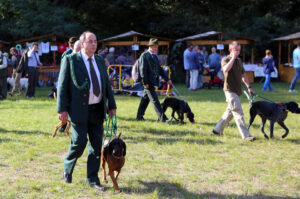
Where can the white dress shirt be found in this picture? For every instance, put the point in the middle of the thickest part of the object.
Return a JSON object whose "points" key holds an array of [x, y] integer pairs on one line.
{"points": [[93, 99], [33, 59]]}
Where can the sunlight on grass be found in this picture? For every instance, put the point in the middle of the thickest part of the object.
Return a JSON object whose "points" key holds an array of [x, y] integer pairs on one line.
{"points": [[163, 161]]}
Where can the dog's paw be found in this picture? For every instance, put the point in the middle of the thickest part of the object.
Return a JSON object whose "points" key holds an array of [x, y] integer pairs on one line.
{"points": [[117, 191], [105, 180]]}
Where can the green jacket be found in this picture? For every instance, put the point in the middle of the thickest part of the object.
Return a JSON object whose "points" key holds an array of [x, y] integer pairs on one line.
{"points": [[68, 52], [150, 69], [74, 100]]}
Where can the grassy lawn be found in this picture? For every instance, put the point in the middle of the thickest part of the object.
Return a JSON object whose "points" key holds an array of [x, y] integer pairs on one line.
{"points": [[163, 161]]}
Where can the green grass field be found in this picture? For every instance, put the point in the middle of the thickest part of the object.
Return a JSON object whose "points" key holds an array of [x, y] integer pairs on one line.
{"points": [[163, 161]]}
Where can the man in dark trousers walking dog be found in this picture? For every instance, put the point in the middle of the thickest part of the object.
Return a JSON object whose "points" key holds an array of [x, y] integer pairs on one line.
{"points": [[234, 74], [150, 70], [82, 94]]}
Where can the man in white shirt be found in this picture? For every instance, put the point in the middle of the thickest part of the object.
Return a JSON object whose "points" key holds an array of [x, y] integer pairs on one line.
{"points": [[33, 63], [82, 94]]}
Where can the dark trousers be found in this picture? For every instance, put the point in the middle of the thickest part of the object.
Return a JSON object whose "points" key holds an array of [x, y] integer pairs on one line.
{"points": [[150, 95], [32, 79], [3, 87], [187, 78], [78, 144]]}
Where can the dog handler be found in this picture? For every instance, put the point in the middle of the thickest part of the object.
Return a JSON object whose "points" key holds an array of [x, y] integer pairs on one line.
{"points": [[82, 94], [234, 74]]}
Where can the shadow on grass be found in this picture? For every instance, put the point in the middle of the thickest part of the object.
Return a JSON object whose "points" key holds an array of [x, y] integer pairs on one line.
{"points": [[20, 132], [162, 141], [175, 190]]}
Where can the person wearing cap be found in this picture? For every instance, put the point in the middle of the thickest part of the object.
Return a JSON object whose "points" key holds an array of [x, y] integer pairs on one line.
{"points": [[71, 42], [150, 71]]}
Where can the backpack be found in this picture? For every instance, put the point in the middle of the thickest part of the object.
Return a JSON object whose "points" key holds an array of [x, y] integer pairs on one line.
{"points": [[135, 72], [23, 63]]}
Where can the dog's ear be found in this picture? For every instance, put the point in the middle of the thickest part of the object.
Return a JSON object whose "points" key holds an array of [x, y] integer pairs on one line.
{"points": [[124, 149]]}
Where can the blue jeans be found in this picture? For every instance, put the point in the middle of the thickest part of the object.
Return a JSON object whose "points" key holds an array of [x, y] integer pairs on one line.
{"points": [[267, 83], [296, 77]]}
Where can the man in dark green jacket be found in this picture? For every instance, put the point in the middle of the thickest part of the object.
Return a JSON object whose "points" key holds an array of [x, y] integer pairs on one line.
{"points": [[71, 42], [83, 93], [150, 70]]}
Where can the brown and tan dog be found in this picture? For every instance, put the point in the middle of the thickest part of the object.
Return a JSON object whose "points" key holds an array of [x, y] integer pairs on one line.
{"points": [[114, 155]]}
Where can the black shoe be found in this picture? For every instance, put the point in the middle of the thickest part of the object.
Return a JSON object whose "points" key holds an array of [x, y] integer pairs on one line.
{"points": [[216, 133], [67, 177], [99, 187], [140, 119]]}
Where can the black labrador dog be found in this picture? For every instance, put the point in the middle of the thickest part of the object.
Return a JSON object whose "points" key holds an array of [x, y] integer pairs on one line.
{"points": [[275, 112], [180, 107]]}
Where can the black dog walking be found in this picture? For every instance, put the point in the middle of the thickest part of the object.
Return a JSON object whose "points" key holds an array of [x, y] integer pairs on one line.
{"points": [[275, 112], [180, 107]]}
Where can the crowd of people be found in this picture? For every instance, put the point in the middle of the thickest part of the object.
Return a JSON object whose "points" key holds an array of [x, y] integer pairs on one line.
{"points": [[197, 61]]}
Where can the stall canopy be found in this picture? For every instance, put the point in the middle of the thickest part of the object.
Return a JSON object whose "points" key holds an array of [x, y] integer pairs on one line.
{"points": [[3, 44], [215, 38], [285, 71], [52, 38], [134, 38]]}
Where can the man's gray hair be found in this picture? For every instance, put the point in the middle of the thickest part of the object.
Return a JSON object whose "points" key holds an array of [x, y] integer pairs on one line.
{"points": [[83, 35]]}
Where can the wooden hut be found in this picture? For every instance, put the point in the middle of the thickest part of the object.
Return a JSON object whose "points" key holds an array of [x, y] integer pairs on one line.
{"points": [[285, 65], [132, 38]]}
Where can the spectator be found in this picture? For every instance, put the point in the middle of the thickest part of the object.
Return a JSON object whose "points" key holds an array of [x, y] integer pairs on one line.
{"points": [[71, 42], [121, 59], [187, 63], [205, 54], [15, 59], [111, 56], [194, 69], [201, 61], [3, 76], [269, 65], [214, 63], [296, 63], [33, 63], [127, 82]]}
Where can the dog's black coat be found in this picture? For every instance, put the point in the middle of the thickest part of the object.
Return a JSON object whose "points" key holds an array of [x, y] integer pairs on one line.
{"points": [[275, 112], [180, 107]]}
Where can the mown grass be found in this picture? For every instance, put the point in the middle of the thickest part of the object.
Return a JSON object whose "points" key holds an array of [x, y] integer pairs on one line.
{"points": [[163, 161]]}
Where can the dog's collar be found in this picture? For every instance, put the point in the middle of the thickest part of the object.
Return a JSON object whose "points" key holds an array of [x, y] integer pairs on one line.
{"points": [[282, 106]]}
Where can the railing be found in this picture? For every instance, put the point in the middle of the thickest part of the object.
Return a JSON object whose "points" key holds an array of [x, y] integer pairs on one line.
{"points": [[116, 81]]}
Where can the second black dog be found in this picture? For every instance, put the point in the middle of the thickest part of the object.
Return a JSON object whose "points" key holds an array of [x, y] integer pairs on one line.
{"points": [[180, 107], [275, 112]]}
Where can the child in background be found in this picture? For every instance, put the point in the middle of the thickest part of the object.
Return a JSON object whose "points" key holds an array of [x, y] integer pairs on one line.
{"points": [[128, 82]]}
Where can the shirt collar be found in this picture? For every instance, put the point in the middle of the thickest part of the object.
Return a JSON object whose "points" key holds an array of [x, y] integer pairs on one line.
{"points": [[150, 52], [85, 56]]}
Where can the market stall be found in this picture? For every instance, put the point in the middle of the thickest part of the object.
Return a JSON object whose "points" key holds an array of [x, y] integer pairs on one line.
{"points": [[51, 47], [219, 39], [3, 45], [134, 41], [285, 66]]}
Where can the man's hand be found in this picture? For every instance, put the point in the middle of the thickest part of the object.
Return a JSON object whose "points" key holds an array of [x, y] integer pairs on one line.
{"points": [[250, 90], [63, 116], [41, 64], [170, 82], [235, 54], [112, 112], [146, 86]]}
